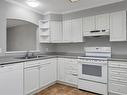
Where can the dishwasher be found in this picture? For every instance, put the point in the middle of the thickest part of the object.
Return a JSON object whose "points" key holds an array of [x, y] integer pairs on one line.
{"points": [[11, 79]]}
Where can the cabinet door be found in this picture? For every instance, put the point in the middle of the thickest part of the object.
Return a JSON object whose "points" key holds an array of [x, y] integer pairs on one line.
{"points": [[89, 24], [67, 32], [53, 70], [117, 77], [61, 69], [67, 71], [118, 26], [11, 79], [45, 74], [48, 71], [71, 79], [71, 71], [77, 30], [102, 22], [56, 31], [31, 79]]}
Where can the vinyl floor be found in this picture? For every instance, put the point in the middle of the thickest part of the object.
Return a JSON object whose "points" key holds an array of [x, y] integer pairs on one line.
{"points": [[60, 89]]}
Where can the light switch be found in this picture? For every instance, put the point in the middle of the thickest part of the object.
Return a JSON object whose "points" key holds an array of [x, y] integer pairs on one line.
{"points": [[0, 50]]}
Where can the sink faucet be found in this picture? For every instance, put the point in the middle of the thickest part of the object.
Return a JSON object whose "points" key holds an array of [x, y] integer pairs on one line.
{"points": [[27, 54]]}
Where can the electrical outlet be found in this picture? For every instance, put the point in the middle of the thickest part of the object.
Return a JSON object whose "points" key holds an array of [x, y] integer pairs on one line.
{"points": [[47, 49]]}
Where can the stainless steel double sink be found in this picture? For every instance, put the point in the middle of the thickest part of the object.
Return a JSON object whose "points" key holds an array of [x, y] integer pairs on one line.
{"points": [[31, 57]]}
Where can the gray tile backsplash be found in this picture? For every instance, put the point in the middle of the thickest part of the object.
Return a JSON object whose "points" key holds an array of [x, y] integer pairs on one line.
{"points": [[117, 47]]}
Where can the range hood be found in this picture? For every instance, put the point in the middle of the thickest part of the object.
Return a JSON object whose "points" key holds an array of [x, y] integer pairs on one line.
{"points": [[97, 33]]}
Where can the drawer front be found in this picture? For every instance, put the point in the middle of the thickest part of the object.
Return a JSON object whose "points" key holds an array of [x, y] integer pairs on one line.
{"points": [[31, 64], [73, 72], [118, 74], [92, 86], [118, 77], [118, 70], [71, 66], [113, 64], [123, 65], [45, 60], [117, 88], [70, 60], [71, 79], [119, 64]]}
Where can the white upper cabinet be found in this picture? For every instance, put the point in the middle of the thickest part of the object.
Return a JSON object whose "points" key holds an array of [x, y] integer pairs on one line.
{"points": [[89, 24], [102, 22], [118, 26], [72, 30], [56, 31], [44, 31], [67, 32], [50, 31], [77, 30]]}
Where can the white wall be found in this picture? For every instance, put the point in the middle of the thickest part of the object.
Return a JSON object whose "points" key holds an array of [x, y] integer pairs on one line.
{"points": [[16, 12], [22, 37], [48, 48], [8, 10]]}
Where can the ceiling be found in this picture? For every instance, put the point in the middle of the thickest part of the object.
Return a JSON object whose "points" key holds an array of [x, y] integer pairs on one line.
{"points": [[65, 6], [15, 22]]}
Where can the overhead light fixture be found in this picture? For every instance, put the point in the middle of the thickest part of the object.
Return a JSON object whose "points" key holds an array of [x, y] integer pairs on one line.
{"points": [[72, 1], [32, 3]]}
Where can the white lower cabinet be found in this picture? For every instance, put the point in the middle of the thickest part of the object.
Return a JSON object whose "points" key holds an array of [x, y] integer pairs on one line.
{"points": [[38, 74], [53, 70], [41, 73], [11, 79], [31, 77], [61, 70], [118, 77], [47, 72], [68, 70]]}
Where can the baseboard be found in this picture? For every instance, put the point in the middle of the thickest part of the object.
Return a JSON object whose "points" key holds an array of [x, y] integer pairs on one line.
{"points": [[65, 83]]}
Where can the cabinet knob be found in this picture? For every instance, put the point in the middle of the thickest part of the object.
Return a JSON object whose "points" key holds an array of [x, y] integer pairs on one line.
{"points": [[103, 30]]}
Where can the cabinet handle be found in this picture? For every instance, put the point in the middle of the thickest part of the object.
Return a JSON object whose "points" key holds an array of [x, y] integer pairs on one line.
{"points": [[75, 74], [95, 31]]}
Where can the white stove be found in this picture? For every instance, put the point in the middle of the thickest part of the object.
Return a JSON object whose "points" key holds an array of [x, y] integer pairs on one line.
{"points": [[93, 69]]}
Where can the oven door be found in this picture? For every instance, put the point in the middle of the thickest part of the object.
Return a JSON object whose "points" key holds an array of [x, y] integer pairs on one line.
{"points": [[94, 72]]}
